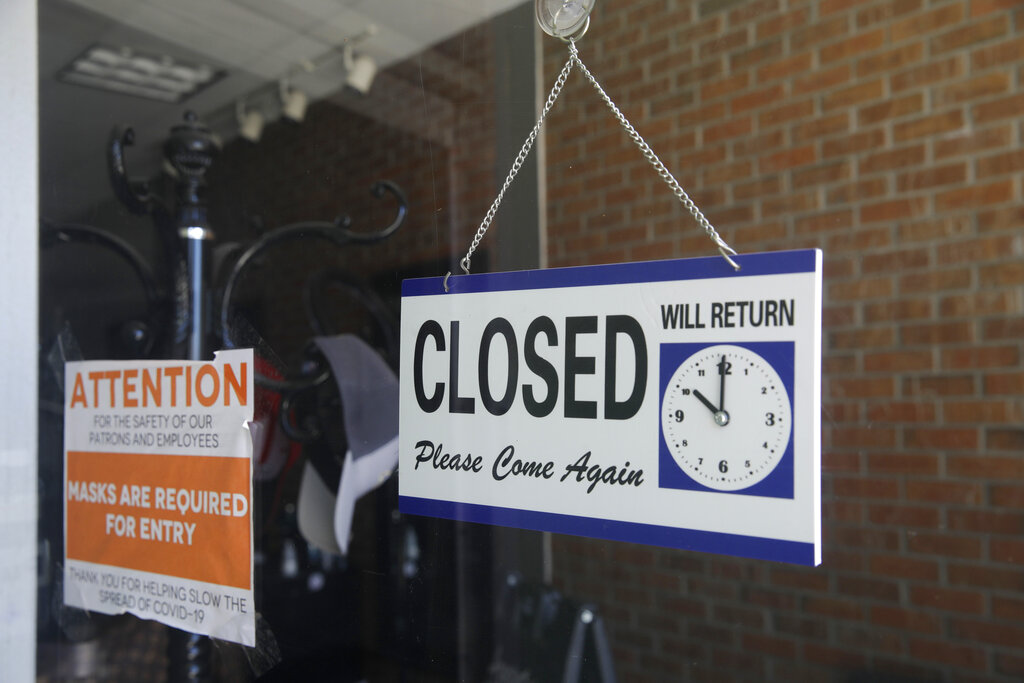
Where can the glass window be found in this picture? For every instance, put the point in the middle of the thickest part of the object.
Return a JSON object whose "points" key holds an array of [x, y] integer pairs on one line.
{"points": [[242, 174]]}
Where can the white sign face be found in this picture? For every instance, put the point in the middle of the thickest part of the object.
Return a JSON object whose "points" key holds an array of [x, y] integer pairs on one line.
{"points": [[158, 492], [674, 403]]}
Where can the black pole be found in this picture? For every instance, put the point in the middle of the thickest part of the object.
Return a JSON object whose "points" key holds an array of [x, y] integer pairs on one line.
{"points": [[190, 151]]}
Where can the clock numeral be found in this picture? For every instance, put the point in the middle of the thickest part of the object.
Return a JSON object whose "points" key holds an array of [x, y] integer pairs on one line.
{"points": [[764, 445], [724, 367], [679, 416], [764, 390], [685, 392], [700, 373], [684, 443], [769, 419], [723, 466], [746, 463], [746, 371]]}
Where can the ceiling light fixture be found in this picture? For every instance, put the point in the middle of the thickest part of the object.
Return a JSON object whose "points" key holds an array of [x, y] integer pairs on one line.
{"points": [[130, 72], [250, 123], [361, 70], [293, 102]]}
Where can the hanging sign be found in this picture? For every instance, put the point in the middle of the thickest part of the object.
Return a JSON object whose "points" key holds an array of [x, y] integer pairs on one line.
{"points": [[158, 492], [674, 403]]}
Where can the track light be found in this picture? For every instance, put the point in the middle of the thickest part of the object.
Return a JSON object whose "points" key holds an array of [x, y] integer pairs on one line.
{"points": [[293, 102], [361, 71], [250, 123]]}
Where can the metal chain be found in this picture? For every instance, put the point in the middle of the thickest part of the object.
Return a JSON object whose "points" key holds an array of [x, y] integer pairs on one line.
{"points": [[654, 161], [645, 149]]}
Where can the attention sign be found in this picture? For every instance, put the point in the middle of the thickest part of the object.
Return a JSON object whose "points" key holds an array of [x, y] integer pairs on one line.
{"points": [[158, 492], [674, 403]]}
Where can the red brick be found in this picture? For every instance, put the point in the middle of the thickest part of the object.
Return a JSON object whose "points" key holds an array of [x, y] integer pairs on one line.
{"points": [[957, 655], [941, 438], [821, 79], [994, 137], [964, 36], [986, 521], [940, 491], [856, 45], [900, 566], [889, 160], [862, 487], [929, 73], [1003, 329], [886, 11], [982, 7], [889, 109], [982, 411], [905, 619], [863, 337], [937, 333], [873, 588], [894, 361], [894, 210], [1001, 439], [785, 68], [987, 632], [985, 576], [888, 60], [758, 98], [1005, 107], [936, 176], [935, 281], [853, 144], [980, 304], [914, 464], [782, 23], [902, 515], [981, 357], [816, 34], [975, 196], [946, 545], [897, 309], [1007, 52], [928, 126], [725, 86], [858, 241], [919, 24], [1004, 383], [769, 645], [875, 387]]}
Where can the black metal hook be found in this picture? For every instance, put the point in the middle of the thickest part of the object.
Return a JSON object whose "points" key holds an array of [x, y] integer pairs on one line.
{"points": [[142, 333], [134, 194], [335, 232]]}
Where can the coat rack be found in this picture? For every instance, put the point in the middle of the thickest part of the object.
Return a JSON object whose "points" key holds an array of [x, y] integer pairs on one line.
{"points": [[187, 237]]}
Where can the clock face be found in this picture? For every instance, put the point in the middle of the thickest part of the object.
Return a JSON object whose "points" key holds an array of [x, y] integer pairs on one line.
{"points": [[726, 417]]}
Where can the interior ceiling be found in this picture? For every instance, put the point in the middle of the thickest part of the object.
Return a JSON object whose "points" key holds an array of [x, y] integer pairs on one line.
{"points": [[254, 42]]}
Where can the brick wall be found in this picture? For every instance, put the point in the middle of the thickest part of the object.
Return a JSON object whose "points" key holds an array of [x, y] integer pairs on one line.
{"points": [[888, 134]]}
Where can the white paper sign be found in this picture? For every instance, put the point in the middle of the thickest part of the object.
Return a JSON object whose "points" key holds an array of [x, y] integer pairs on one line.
{"points": [[158, 492], [674, 403]]}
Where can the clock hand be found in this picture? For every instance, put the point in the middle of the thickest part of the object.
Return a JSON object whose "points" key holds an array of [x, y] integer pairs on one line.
{"points": [[722, 372], [705, 401]]}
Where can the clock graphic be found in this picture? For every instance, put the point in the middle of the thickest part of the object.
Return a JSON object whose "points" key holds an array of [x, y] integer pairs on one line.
{"points": [[726, 418]]}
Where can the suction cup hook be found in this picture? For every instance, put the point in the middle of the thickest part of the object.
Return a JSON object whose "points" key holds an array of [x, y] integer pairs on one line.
{"points": [[565, 19]]}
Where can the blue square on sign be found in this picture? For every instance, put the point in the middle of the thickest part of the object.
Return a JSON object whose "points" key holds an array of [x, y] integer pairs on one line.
{"points": [[725, 418]]}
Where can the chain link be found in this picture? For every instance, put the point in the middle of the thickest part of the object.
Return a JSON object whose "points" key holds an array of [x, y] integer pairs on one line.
{"points": [[645, 149]]}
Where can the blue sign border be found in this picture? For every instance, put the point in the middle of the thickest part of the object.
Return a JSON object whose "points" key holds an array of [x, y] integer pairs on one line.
{"points": [[793, 552], [772, 263]]}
